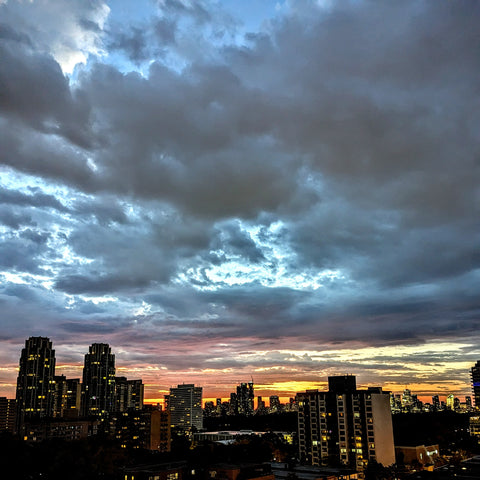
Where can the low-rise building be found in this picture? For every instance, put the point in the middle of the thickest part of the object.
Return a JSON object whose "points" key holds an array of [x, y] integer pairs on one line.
{"points": [[38, 431], [419, 454]]}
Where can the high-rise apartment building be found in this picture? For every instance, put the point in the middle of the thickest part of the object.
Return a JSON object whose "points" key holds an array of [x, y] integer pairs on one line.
{"points": [[128, 394], [73, 398], [245, 398], [121, 394], [35, 382], [345, 426], [233, 404], [275, 405], [475, 374], [7, 414], [185, 405], [60, 395], [98, 388]]}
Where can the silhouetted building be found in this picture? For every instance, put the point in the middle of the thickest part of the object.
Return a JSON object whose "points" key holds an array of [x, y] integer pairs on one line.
{"points": [[209, 410], [233, 405], [407, 400], [219, 407], [128, 394], [35, 384], [120, 394], [245, 397], [60, 395], [149, 429], [474, 426], [342, 384], [450, 402], [246, 471], [98, 388], [165, 471], [69, 430], [418, 454], [7, 414], [161, 431], [185, 405], [345, 426], [475, 374], [73, 398], [261, 405], [135, 392], [275, 405]]}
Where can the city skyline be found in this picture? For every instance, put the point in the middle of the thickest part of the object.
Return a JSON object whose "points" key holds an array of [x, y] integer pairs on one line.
{"points": [[103, 355], [278, 190]]}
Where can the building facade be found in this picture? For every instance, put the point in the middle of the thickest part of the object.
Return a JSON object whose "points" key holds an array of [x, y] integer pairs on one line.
{"points": [[245, 398], [98, 388], [149, 429], [8, 407], [345, 426], [73, 398], [475, 375], [35, 382], [185, 406], [128, 394]]}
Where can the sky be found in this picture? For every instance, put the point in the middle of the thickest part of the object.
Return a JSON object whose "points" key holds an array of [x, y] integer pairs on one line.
{"points": [[226, 190]]}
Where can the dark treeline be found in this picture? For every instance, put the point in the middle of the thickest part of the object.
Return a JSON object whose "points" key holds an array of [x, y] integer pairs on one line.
{"points": [[447, 429]]}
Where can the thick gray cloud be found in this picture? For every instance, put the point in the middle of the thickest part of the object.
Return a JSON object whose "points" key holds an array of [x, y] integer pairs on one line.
{"points": [[315, 182]]}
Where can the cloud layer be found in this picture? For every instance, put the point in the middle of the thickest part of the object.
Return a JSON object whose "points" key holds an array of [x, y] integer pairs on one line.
{"points": [[216, 201]]}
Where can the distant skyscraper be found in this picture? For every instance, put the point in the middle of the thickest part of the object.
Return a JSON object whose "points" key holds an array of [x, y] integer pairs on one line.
{"points": [[475, 374], [406, 400], [345, 426], [98, 388], [450, 402], [185, 405], [35, 384], [274, 403], [233, 406], [245, 397]]}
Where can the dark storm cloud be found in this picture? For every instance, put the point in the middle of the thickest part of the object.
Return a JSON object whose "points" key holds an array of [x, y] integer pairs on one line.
{"points": [[22, 254], [13, 219], [104, 210], [134, 44], [99, 284], [89, 327], [8, 32], [36, 199], [233, 240], [35, 91]]}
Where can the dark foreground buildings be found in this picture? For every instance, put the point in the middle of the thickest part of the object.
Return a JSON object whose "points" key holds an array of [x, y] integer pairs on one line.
{"points": [[345, 426], [49, 406]]}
